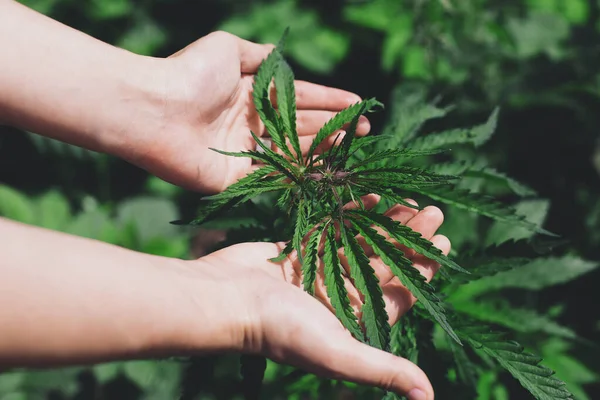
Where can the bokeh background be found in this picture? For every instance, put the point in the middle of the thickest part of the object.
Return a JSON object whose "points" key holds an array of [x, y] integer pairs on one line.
{"points": [[539, 60]]}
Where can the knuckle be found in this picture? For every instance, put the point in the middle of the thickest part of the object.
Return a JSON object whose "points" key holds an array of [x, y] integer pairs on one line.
{"points": [[386, 382]]}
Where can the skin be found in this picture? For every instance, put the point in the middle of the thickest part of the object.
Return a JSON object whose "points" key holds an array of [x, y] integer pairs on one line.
{"points": [[153, 112], [74, 300], [98, 302]]}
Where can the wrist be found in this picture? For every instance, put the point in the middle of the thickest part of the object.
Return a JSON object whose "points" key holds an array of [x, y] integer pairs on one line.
{"points": [[134, 120], [206, 312]]}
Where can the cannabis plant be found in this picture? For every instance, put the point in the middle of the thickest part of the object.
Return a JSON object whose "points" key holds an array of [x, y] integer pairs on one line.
{"points": [[312, 190]]}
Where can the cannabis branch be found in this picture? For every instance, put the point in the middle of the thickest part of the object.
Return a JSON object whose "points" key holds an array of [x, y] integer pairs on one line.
{"points": [[313, 189]]}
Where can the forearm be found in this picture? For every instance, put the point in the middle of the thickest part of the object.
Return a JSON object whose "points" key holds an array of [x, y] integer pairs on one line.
{"points": [[61, 83], [71, 300]]}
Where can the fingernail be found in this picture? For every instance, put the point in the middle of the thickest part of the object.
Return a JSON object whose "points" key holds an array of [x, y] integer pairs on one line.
{"points": [[416, 394]]}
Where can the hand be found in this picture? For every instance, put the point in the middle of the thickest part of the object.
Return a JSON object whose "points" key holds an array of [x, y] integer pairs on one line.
{"points": [[289, 326], [208, 103]]}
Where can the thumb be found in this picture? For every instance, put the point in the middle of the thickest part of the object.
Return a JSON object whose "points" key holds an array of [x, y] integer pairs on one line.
{"points": [[350, 360], [252, 54]]}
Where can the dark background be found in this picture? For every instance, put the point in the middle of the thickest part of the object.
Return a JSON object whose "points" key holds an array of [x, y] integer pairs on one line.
{"points": [[538, 60]]}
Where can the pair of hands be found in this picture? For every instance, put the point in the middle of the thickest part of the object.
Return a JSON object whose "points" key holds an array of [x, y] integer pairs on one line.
{"points": [[215, 75], [163, 115]]}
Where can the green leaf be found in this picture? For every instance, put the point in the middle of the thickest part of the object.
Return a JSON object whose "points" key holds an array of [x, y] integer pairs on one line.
{"points": [[491, 174], [287, 250], [477, 136], [525, 367], [210, 209], [348, 139], [260, 95], [16, 206], [269, 157], [517, 319], [480, 267], [534, 210], [286, 103], [538, 274], [409, 276], [409, 112], [403, 338], [409, 238], [402, 178], [576, 374], [149, 217], [374, 315], [54, 211], [383, 157], [480, 204], [301, 228], [467, 371], [364, 188], [311, 258], [338, 121], [334, 284]]}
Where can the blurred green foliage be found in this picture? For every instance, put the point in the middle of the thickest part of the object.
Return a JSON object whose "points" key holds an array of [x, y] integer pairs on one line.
{"points": [[536, 59]]}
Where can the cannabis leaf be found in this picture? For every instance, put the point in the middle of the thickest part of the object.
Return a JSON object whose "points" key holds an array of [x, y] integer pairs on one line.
{"points": [[319, 193], [524, 366]]}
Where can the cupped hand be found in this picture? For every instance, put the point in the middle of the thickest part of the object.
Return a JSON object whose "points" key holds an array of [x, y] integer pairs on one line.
{"points": [[207, 103], [292, 327]]}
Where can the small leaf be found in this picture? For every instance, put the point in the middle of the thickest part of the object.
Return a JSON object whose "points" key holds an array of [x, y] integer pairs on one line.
{"points": [[484, 266], [287, 250], [409, 112], [538, 274], [517, 319], [409, 238], [301, 228], [311, 258], [534, 210], [480, 204], [338, 121], [334, 283], [351, 130], [491, 174], [525, 367], [16, 205], [260, 95], [286, 103], [275, 160], [408, 275], [381, 157], [476, 136], [374, 315]]}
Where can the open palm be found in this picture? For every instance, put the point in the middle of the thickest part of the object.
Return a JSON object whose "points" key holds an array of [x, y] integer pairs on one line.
{"points": [[208, 104], [294, 327]]}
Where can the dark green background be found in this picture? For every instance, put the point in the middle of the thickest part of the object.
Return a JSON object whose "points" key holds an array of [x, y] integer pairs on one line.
{"points": [[538, 60]]}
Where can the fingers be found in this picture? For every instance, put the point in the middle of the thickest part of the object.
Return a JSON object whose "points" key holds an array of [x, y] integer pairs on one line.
{"points": [[428, 267], [310, 96], [400, 213], [309, 122], [426, 222], [350, 360], [251, 54]]}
